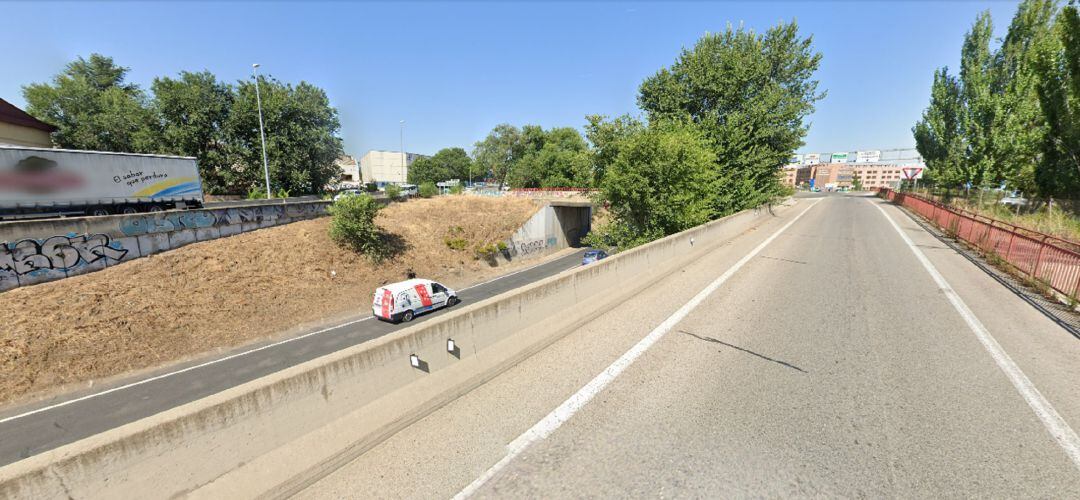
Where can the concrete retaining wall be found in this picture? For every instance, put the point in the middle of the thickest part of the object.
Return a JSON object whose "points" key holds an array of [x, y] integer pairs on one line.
{"points": [[274, 435], [34, 252]]}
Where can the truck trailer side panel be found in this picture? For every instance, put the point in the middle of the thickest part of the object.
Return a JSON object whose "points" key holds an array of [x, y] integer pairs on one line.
{"points": [[34, 178]]}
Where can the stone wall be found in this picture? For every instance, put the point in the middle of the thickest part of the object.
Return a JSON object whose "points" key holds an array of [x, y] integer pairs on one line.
{"points": [[37, 251]]}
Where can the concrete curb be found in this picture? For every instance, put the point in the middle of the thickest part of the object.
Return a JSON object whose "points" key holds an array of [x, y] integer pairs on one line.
{"points": [[274, 435]]}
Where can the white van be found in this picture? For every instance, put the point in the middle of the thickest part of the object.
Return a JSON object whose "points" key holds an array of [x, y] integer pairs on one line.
{"points": [[402, 301]]}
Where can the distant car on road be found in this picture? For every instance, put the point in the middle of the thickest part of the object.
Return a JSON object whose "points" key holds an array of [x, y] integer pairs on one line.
{"points": [[409, 190], [1014, 199], [401, 302], [593, 256], [346, 192]]}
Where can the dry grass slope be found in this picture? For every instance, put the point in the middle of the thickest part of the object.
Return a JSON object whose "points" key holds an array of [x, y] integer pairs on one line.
{"points": [[227, 292]]}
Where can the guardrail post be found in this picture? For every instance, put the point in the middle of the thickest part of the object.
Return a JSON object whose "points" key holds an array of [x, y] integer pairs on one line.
{"points": [[1038, 258]]}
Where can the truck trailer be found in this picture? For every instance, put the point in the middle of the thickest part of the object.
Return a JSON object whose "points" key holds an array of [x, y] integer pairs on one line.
{"points": [[39, 182]]}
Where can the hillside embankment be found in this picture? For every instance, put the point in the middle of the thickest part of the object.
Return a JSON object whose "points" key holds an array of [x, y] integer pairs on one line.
{"points": [[219, 294]]}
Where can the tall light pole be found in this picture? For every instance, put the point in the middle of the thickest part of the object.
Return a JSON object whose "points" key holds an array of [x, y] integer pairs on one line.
{"points": [[262, 134], [403, 173]]}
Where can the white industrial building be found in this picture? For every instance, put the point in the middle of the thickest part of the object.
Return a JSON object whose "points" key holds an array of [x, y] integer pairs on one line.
{"points": [[386, 166]]}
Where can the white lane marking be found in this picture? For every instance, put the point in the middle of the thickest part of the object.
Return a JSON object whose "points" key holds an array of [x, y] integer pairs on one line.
{"points": [[579, 399], [226, 358], [177, 372], [1057, 426]]}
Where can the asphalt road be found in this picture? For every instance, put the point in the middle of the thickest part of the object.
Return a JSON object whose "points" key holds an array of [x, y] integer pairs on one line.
{"points": [[23, 433], [830, 364]]}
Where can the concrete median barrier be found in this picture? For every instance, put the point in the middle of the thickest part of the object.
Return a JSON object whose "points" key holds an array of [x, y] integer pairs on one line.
{"points": [[272, 436]]}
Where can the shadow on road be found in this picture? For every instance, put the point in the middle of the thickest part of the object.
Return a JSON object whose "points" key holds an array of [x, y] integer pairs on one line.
{"points": [[721, 342]]}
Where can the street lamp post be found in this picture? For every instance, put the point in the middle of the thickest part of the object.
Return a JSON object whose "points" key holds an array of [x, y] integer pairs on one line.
{"points": [[262, 133], [403, 173]]}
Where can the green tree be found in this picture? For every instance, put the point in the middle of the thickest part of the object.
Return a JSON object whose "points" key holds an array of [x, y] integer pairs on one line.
{"points": [[448, 163], [302, 139], [497, 153], [1058, 66], [605, 136], [94, 108], [193, 111], [980, 104], [558, 157], [750, 93], [1013, 106], [939, 135], [661, 181], [423, 169], [856, 182], [1021, 129]]}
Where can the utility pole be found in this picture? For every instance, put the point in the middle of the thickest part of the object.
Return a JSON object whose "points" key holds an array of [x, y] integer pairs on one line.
{"points": [[262, 133], [404, 174]]}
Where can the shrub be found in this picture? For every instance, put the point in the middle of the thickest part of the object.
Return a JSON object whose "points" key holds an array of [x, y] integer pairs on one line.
{"points": [[486, 252], [281, 193], [455, 239], [352, 225], [393, 191], [371, 187], [256, 194], [427, 190], [457, 244], [457, 189]]}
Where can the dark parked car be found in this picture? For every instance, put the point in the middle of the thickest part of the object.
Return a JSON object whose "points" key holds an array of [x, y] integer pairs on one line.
{"points": [[593, 256]]}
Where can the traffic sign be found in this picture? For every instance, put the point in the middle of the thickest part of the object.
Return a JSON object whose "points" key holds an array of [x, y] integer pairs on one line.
{"points": [[912, 172]]}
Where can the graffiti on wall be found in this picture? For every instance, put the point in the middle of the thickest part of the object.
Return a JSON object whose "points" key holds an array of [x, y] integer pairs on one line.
{"points": [[176, 221], [532, 247], [134, 226], [58, 253], [27, 258]]}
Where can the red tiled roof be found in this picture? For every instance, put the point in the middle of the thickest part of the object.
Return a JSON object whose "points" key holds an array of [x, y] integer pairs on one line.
{"points": [[15, 116]]}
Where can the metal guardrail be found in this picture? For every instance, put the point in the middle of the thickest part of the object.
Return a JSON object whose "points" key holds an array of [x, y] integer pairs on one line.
{"points": [[1042, 257]]}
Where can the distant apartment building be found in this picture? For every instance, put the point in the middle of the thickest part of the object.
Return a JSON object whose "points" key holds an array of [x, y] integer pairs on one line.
{"points": [[873, 168], [875, 176], [839, 175], [18, 128], [386, 166], [796, 175], [350, 171]]}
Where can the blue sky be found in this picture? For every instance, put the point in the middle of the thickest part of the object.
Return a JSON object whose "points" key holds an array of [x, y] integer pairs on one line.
{"points": [[455, 70]]}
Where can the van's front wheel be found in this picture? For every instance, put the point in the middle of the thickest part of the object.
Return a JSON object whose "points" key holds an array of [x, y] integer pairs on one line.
{"points": [[407, 317]]}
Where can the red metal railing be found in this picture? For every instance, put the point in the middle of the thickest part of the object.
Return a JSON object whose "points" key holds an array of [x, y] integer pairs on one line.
{"points": [[544, 190], [1049, 259]]}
